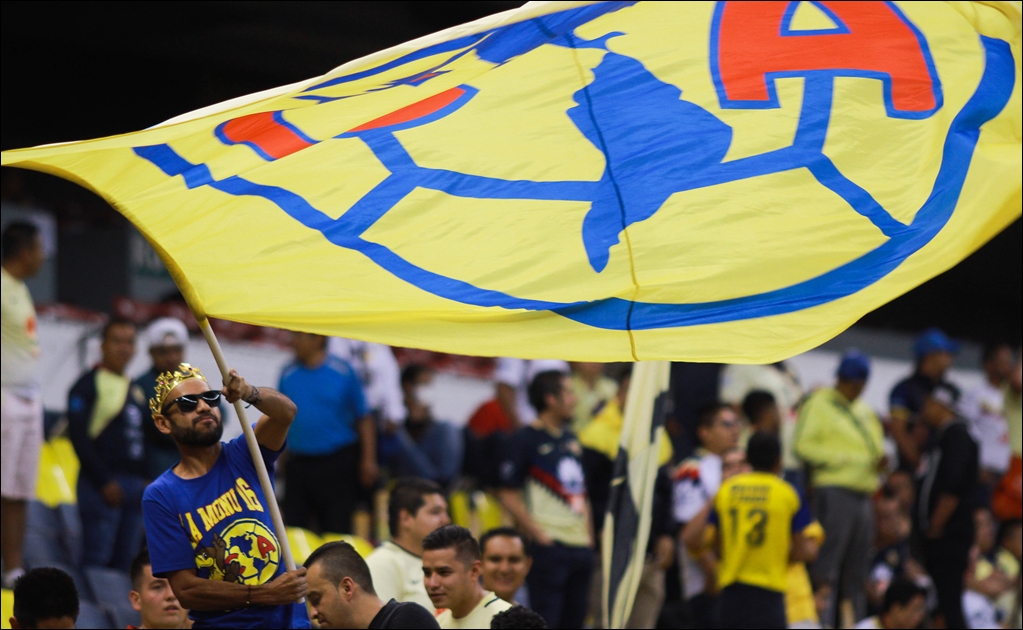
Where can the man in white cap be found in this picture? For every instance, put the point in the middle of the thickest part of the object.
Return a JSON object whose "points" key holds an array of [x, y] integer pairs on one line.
{"points": [[166, 338]]}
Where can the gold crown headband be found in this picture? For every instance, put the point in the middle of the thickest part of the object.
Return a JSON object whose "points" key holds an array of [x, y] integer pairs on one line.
{"points": [[166, 382]]}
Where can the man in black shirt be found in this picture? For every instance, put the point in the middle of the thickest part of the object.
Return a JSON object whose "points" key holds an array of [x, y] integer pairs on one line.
{"points": [[945, 500], [934, 353], [341, 594]]}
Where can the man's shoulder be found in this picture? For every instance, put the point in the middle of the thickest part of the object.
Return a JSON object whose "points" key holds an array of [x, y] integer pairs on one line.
{"points": [[84, 387], [289, 370], [494, 604], [340, 367], [410, 615], [387, 553], [162, 487]]}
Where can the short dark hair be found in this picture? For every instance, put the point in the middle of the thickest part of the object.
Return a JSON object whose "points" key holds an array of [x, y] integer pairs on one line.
{"points": [[902, 591], [456, 537], [755, 403], [138, 566], [497, 532], [115, 321], [44, 593], [763, 451], [412, 372], [341, 560], [409, 494], [548, 383], [708, 414], [518, 617], [17, 237]]}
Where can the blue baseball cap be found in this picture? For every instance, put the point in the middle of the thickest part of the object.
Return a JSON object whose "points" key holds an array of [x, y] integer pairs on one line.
{"points": [[934, 340], [855, 366]]}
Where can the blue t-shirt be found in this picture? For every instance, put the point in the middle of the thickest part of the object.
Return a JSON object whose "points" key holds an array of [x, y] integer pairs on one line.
{"points": [[219, 524], [329, 400]]}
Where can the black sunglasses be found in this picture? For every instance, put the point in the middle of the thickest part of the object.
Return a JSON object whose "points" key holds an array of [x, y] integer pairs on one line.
{"points": [[188, 404]]}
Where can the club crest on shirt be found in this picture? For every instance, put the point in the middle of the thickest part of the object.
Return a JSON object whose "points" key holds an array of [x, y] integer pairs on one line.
{"points": [[244, 552]]}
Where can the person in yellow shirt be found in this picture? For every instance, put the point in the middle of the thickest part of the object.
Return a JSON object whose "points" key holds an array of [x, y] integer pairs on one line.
{"points": [[760, 521], [841, 440], [451, 571]]}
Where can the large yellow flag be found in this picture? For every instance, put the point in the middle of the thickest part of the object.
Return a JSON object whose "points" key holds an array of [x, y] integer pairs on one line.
{"points": [[731, 181]]}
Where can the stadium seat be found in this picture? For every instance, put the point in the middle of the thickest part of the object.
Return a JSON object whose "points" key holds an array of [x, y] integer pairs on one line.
{"points": [[92, 616], [7, 608], [58, 472], [70, 531], [303, 542], [489, 510], [361, 545], [461, 511], [43, 549], [42, 517], [52, 535], [111, 588]]}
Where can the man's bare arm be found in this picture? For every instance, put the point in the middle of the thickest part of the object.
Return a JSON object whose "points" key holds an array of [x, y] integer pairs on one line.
{"points": [[946, 505], [278, 410], [512, 501], [804, 548], [368, 443], [196, 593]]}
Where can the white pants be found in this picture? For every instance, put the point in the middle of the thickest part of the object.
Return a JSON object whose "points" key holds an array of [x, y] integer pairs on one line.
{"points": [[21, 438]]}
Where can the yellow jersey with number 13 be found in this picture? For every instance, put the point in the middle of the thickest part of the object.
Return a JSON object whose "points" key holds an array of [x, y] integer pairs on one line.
{"points": [[756, 514]]}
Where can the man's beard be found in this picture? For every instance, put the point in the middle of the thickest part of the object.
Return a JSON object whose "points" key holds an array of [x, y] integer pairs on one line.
{"points": [[195, 437]]}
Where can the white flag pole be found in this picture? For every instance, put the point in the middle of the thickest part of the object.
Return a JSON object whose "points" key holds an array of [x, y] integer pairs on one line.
{"points": [[250, 439]]}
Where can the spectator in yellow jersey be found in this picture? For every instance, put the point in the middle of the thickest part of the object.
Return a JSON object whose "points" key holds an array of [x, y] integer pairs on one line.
{"points": [[21, 412], [842, 441], [761, 522], [416, 508], [452, 570]]}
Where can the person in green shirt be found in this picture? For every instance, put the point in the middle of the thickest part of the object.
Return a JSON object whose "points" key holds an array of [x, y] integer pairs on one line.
{"points": [[841, 440]]}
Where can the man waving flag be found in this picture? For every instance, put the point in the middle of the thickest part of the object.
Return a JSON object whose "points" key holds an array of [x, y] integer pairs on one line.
{"points": [[726, 181]]}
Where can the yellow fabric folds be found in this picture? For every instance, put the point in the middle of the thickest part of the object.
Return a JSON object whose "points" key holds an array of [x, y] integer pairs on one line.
{"points": [[592, 181]]}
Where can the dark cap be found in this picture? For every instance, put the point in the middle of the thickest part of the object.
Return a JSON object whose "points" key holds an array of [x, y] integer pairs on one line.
{"points": [[934, 340], [855, 366]]}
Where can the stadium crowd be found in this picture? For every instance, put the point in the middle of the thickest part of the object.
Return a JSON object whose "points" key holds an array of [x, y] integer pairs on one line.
{"points": [[804, 509]]}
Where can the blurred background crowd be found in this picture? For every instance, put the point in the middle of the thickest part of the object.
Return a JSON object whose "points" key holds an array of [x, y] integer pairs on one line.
{"points": [[907, 450], [912, 468]]}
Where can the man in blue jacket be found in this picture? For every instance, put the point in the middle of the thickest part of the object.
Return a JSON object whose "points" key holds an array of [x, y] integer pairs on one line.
{"points": [[105, 425]]}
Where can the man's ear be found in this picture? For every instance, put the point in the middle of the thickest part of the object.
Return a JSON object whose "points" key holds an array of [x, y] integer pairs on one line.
{"points": [[162, 423], [476, 570], [136, 600], [347, 588], [529, 563], [14, 623]]}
